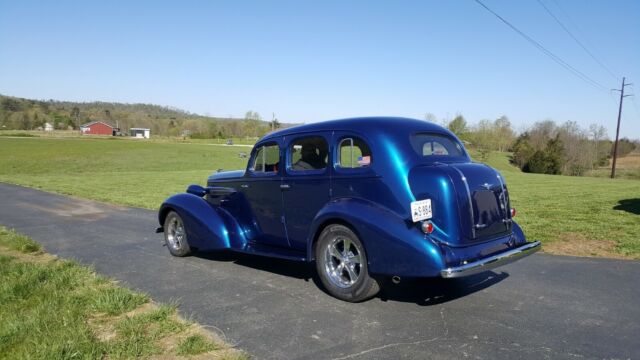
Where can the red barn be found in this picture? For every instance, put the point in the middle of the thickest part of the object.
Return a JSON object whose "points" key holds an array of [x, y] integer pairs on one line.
{"points": [[97, 128]]}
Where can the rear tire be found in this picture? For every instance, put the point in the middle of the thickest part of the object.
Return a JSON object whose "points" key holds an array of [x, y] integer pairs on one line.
{"points": [[341, 263], [175, 235]]}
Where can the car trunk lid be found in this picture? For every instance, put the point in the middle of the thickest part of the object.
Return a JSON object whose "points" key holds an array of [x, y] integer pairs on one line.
{"points": [[483, 200], [479, 197]]}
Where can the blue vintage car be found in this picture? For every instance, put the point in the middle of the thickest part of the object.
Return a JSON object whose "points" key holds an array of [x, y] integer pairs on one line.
{"points": [[363, 198]]}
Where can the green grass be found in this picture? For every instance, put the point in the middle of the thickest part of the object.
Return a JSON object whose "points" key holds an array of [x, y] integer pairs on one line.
{"points": [[139, 334], [15, 241], [128, 172], [195, 344], [18, 134], [56, 309], [116, 300], [140, 173], [556, 208], [620, 173]]}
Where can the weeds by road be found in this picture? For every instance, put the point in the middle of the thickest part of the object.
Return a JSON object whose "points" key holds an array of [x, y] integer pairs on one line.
{"points": [[57, 309]]}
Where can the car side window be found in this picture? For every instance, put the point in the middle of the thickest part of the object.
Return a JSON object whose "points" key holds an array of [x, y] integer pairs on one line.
{"points": [[266, 159], [353, 153], [308, 153]]}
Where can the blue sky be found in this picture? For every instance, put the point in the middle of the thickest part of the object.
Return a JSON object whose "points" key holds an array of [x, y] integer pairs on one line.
{"points": [[310, 61]]}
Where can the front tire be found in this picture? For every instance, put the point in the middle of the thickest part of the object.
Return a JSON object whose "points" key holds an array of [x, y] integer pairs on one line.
{"points": [[341, 263], [175, 235]]}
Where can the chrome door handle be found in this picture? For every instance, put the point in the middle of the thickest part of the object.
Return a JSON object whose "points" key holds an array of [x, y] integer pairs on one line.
{"points": [[244, 186], [285, 186]]}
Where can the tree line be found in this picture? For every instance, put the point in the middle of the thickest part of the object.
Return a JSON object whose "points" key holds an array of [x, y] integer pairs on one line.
{"points": [[545, 147], [27, 114]]}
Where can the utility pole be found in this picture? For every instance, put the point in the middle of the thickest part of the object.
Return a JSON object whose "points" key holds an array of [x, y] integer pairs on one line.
{"points": [[615, 145]]}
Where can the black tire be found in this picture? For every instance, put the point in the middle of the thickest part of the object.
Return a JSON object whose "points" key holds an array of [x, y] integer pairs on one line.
{"points": [[338, 267], [175, 235]]}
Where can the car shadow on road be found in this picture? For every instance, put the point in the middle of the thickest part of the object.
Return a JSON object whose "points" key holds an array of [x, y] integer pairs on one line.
{"points": [[434, 291], [629, 205], [424, 292], [293, 269]]}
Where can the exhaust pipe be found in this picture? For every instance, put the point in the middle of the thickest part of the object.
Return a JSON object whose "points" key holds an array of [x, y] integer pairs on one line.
{"points": [[396, 279]]}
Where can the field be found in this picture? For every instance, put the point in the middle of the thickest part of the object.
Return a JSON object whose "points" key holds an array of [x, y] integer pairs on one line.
{"points": [[627, 167], [585, 216], [57, 309], [122, 171]]}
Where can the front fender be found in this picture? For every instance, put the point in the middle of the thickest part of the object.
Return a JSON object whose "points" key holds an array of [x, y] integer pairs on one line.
{"points": [[393, 245], [208, 227]]}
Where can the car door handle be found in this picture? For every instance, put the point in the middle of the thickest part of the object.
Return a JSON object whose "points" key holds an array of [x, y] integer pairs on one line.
{"points": [[285, 186], [244, 186]]}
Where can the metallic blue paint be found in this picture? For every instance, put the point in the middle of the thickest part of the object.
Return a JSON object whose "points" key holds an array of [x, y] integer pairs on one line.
{"points": [[232, 174], [282, 214], [208, 227]]}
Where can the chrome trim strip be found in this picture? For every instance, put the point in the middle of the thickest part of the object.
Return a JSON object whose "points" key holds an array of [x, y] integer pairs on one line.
{"points": [[491, 261], [503, 199], [466, 184]]}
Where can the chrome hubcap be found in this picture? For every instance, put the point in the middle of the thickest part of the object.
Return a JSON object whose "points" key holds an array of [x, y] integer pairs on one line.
{"points": [[342, 262], [175, 233]]}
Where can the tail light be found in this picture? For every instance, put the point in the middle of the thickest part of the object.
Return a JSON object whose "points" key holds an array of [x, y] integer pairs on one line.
{"points": [[427, 227], [513, 212]]}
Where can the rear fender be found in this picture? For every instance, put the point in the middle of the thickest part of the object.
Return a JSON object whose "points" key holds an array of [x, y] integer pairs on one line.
{"points": [[208, 227], [393, 245]]}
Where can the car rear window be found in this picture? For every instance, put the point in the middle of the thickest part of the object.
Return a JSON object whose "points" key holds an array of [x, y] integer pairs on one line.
{"points": [[436, 145]]}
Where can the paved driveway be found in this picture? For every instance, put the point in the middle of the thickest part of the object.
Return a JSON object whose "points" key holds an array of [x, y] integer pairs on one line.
{"points": [[540, 307]]}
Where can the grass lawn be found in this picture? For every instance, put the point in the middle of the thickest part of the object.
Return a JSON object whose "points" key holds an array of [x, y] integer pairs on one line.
{"points": [[583, 216], [57, 309], [121, 171]]}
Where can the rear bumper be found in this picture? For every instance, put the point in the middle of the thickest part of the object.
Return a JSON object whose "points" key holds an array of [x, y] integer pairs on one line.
{"points": [[491, 262]]}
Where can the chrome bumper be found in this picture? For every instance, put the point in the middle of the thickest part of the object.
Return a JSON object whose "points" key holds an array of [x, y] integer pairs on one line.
{"points": [[491, 262]]}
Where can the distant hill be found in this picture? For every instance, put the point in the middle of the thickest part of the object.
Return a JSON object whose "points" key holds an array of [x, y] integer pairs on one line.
{"points": [[28, 114]]}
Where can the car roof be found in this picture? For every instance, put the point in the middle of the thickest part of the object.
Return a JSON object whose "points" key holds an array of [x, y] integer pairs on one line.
{"points": [[367, 125]]}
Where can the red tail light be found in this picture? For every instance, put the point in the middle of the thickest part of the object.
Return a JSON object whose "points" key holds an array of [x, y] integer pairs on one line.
{"points": [[513, 212], [427, 227]]}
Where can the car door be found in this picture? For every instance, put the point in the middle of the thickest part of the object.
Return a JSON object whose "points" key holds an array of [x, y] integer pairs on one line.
{"points": [[261, 187], [305, 185]]}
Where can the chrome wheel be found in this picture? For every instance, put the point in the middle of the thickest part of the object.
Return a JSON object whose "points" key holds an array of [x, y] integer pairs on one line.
{"points": [[176, 236], [342, 261]]}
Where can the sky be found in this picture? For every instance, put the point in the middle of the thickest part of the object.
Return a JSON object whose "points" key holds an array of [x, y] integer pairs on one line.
{"points": [[309, 61]]}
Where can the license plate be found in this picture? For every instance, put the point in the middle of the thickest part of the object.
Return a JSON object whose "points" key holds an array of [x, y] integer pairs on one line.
{"points": [[421, 210]]}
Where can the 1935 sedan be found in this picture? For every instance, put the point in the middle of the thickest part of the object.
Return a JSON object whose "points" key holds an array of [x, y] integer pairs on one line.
{"points": [[365, 198]]}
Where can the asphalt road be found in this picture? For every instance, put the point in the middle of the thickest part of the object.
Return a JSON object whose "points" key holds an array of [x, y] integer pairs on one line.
{"points": [[540, 307]]}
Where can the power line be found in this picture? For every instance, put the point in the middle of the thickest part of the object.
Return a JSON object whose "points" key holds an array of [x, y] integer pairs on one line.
{"points": [[586, 38], [551, 55], [576, 39]]}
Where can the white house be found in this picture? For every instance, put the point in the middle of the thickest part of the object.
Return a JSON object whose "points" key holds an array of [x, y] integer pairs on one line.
{"points": [[47, 127], [140, 133]]}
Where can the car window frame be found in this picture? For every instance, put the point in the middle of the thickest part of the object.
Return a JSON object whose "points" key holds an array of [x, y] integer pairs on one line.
{"points": [[250, 168], [350, 170], [288, 155]]}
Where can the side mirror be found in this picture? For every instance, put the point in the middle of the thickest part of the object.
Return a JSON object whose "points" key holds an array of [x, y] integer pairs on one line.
{"points": [[196, 190]]}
